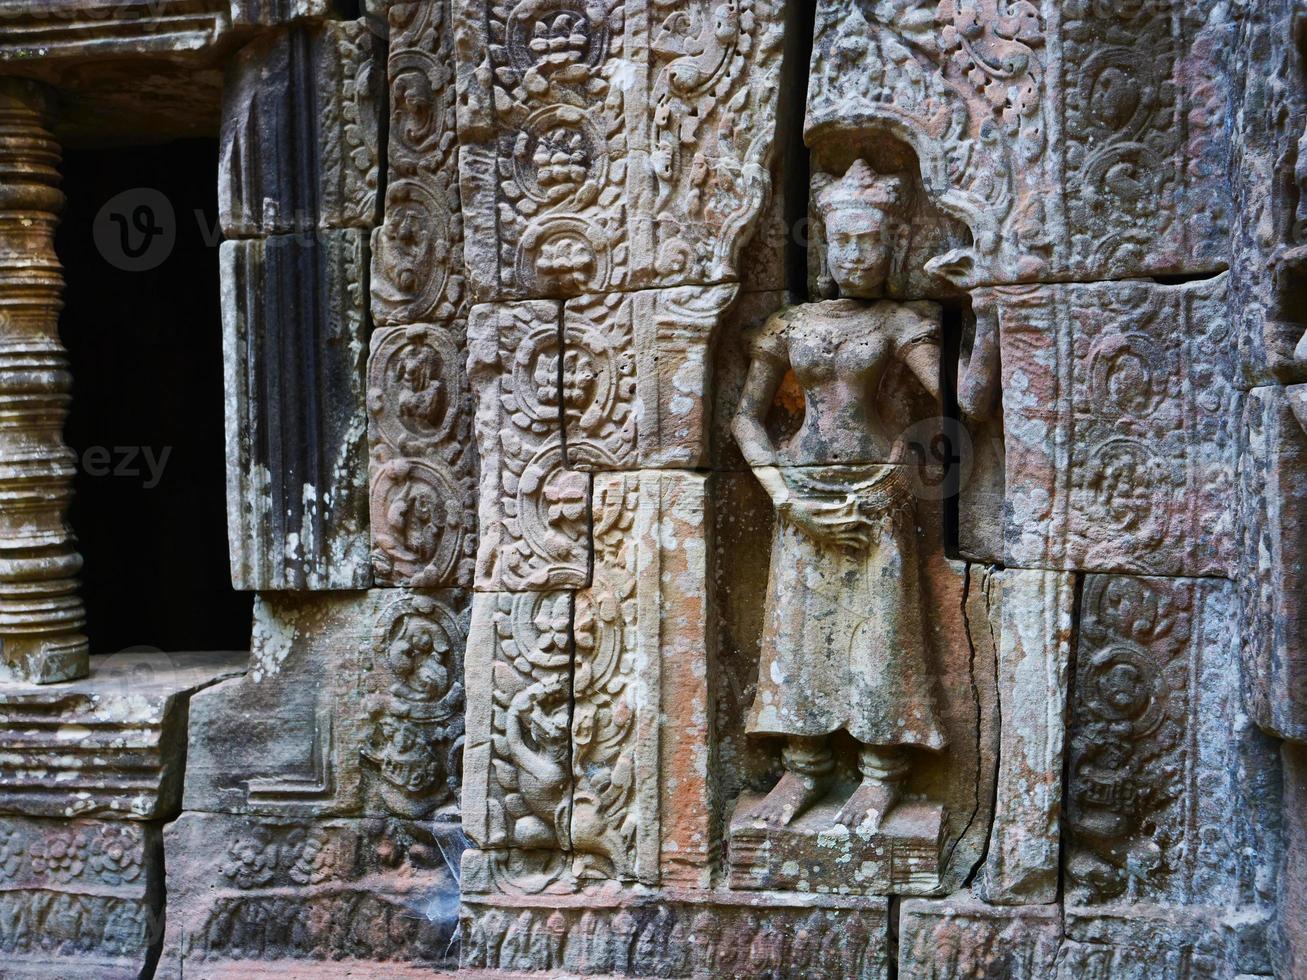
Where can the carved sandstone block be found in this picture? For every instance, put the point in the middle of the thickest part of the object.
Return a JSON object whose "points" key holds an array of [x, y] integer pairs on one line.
{"points": [[1030, 615], [79, 897], [643, 799], [295, 346], [112, 744], [300, 132], [534, 512], [417, 252], [256, 896], [1120, 417], [1139, 942], [719, 935], [353, 704], [422, 460], [266, 13], [1154, 749], [637, 375], [615, 144], [1272, 575], [960, 938], [1289, 950], [960, 660], [1038, 161], [517, 785]]}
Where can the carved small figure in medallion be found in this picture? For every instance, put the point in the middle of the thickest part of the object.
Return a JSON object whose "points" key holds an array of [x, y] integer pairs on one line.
{"points": [[843, 646]]}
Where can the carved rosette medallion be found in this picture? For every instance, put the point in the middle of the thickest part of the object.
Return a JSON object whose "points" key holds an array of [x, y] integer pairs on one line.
{"points": [[415, 706], [422, 462]]}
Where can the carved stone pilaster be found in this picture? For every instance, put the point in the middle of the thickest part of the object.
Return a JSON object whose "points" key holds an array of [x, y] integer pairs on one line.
{"points": [[41, 614]]}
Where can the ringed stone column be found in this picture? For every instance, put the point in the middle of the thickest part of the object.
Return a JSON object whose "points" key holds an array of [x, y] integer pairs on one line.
{"points": [[41, 614]]}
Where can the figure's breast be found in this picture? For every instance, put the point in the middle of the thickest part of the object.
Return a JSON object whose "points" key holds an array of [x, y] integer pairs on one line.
{"points": [[844, 349]]}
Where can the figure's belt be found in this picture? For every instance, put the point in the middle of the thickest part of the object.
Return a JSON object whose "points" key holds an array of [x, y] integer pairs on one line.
{"points": [[878, 487]]}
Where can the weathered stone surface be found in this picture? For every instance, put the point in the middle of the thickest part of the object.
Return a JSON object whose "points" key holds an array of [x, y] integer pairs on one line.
{"points": [[41, 614], [79, 897], [1081, 141], [1143, 942], [300, 132], [352, 705], [422, 460], [682, 935], [253, 894], [517, 785], [963, 778], [1030, 614], [112, 744], [534, 512], [1120, 427], [270, 12], [1272, 574], [643, 804], [49, 30], [1154, 744], [417, 253], [636, 373], [295, 346], [612, 145], [960, 937], [1289, 950], [815, 853]]}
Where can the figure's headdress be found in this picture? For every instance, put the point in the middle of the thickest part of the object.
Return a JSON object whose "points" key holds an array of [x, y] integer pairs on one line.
{"points": [[862, 187]]}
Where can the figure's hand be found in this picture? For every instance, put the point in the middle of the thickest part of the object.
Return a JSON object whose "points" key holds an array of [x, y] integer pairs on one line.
{"points": [[837, 522]]}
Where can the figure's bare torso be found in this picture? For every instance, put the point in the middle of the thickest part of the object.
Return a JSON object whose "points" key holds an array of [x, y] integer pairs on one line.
{"points": [[840, 351]]}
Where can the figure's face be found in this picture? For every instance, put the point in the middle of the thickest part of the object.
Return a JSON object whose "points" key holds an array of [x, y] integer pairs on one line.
{"points": [[858, 250]]}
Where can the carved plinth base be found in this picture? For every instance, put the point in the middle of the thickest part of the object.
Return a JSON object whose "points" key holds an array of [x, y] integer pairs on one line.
{"points": [[113, 744], [635, 932], [252, 896], [816, 854], [79, 898]]}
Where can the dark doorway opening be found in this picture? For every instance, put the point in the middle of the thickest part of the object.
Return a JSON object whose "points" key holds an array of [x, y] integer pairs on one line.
{"points": [[143, 329]]}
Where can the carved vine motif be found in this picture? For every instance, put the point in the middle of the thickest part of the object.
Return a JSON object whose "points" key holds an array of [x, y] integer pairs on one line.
{"points": [[416, 737], [423, 464], [417, 263], [534, 511], [558, 117], [1121, 442], [1150, 690], [567, 90], [711, 108], [604, 819]]}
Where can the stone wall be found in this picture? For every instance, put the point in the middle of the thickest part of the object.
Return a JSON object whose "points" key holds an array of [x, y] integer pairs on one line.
{"points": [[734, 488]]}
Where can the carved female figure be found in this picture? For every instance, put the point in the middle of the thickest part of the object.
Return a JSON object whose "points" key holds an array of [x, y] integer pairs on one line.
{"points": [[843, 646]]}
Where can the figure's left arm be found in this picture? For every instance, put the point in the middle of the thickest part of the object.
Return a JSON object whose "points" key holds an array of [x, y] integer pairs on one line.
{"points": [[919, 345]]}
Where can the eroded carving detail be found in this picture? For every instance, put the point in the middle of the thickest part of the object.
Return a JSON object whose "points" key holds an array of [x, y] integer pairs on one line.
{"points": [[414, 700], [534, 512], [517, 790], [417, 253], [1150, 755], [422, 462], [613, 145]]}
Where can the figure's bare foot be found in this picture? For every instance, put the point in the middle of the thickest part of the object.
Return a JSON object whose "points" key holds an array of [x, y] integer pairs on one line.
{"points": [[865, 810], [790, 798]]}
